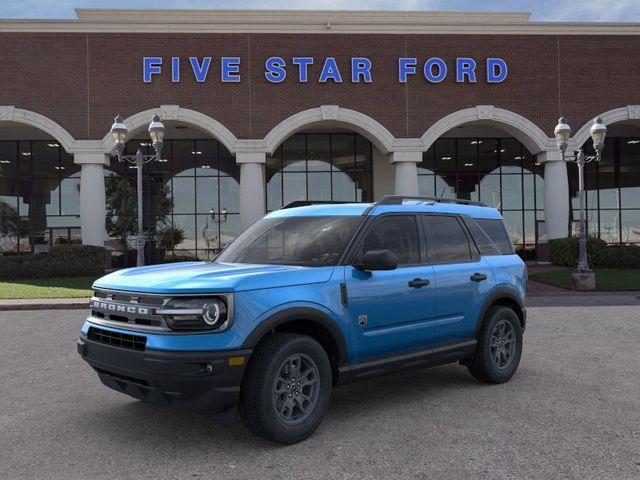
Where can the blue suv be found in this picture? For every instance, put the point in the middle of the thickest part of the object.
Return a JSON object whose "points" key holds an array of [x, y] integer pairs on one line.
{"points": [[311, 297]]}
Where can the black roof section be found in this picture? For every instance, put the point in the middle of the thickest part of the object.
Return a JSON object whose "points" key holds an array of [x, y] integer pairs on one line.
{"points": [[399, 199]]}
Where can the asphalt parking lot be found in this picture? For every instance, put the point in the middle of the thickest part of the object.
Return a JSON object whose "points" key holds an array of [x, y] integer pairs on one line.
{"points": [[572, 411]]}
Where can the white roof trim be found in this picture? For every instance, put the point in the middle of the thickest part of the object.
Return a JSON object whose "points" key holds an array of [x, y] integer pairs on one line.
{"points": [[312, 21]]}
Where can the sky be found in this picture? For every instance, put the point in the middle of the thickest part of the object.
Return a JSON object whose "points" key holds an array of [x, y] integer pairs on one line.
{"points": [[542, 10]]}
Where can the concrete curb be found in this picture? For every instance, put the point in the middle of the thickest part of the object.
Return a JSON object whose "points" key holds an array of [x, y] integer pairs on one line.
{"points": [[44, 304]]}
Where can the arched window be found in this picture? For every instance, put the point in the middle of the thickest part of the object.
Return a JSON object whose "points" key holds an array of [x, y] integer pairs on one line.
{"points": [[612, 188], [202, 181], [499, 172], [320, 166], [39, 196]]}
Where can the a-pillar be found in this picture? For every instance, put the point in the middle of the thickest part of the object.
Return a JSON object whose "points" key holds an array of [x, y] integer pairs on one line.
{"points": [[406, 167], [556, 194], [92, 196], [252, 187]]}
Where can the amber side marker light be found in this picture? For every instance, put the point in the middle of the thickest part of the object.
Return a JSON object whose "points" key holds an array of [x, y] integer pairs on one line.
{"points": [[236, 361]]}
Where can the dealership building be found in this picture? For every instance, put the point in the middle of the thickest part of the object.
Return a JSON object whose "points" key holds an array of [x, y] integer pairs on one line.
{"points": [[263, 108]]}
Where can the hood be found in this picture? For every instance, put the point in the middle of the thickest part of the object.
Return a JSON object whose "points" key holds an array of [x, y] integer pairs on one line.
{"points": [[207, 277]]}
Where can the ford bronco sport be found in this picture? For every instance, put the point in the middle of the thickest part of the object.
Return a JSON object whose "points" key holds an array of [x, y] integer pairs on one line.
{"points": [[308, 298]]}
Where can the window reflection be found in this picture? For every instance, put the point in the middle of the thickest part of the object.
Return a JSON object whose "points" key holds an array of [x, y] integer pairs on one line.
{"points": [[39, 196], [499, 172], [612, 188], [202, 179], [320, 166]]}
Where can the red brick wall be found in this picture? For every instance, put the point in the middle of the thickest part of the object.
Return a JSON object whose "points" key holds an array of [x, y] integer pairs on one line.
{"points": [[82, 80]]}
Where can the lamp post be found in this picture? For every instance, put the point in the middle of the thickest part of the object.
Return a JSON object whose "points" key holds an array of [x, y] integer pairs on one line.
{"points": [[119, 133], [210, 231], [562, 133]]}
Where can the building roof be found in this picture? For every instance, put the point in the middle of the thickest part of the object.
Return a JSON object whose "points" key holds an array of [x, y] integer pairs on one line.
{"points": [[310, 21]]}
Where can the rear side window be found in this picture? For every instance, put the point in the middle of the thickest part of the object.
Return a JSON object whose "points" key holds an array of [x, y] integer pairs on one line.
{"points": [[447, 241], [398, 234], [496, 231], [485, 244]]}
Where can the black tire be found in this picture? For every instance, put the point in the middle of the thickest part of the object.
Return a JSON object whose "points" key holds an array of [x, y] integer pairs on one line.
{"points": [[495, 360], [264, 405]]}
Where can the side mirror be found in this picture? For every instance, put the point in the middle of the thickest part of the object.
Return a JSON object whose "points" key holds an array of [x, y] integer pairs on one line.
{"points": [[377, 260]]}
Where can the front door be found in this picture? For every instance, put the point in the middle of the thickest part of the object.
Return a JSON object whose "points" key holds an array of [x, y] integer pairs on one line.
{"points": [[390, 310]]}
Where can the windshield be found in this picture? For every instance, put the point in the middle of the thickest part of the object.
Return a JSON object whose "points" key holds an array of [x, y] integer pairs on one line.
{"points": [[305, 241]]}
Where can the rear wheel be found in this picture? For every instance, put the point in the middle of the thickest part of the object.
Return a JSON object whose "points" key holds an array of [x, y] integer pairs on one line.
{"points": [[499, 347], [286, 389]]}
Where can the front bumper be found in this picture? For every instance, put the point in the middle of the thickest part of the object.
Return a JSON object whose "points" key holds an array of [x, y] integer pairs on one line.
{"points": [[202, 382]]}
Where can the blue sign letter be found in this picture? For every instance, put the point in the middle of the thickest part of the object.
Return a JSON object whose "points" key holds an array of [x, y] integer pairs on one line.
{"points": [[230, 70], [330, 71], [406, 66], [150, 66], [465, 67], [200, 71], [496, 70], [360, 66], [275, 69], [175, 69], [428, 70], [303, 65]]}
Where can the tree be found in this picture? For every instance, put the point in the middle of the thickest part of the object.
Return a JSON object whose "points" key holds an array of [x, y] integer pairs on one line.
{"points": [[169, 237], [122, 209], [9, 221]]}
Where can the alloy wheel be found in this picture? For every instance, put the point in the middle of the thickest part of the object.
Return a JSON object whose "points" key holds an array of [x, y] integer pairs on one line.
{"points": [[296, 388]]}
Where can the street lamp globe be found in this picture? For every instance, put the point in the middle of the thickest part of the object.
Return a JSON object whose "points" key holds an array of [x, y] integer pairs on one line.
{"points": [[562, 133], [156, 132], [119, 133], [598, 132]]}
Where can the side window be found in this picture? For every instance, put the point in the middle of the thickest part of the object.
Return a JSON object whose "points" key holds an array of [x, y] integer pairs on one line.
{"points": [[485, 244], [398, 234], [497, 233], [448, 242]]}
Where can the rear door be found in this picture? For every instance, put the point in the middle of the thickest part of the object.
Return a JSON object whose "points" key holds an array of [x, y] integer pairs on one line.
{"points": [[462, 277], [390, 311]]}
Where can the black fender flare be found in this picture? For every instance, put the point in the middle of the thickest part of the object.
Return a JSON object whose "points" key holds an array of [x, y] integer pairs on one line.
{"points": [[300, 313], [498, 294]]}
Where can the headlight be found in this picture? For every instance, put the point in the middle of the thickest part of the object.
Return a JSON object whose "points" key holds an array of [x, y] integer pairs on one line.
{"points": [[196, 314], [215, 313]]}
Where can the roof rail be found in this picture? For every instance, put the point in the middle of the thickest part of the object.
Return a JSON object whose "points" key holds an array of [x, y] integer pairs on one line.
{"points": [[399, 200], [306, 203]]}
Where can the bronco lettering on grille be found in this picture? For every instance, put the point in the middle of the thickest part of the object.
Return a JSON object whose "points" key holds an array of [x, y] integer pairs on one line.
{"points": [[116, 307]]}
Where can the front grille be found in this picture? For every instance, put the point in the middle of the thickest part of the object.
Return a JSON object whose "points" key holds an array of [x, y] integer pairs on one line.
{"points": [[117, 339], [130, 297], [135, 310], [142, 312]]}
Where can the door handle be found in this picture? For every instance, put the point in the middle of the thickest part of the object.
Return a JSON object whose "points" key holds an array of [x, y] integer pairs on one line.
{"points": [[419, 282], [478, 277]]}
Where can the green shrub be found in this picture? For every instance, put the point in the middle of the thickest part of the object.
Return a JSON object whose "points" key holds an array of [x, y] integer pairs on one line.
{"points": [[61, 261], [564, 251], [618, 256]]}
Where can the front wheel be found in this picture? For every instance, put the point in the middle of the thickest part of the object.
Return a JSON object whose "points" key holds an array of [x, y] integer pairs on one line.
{"points": [[286, 389], [499, 347]]}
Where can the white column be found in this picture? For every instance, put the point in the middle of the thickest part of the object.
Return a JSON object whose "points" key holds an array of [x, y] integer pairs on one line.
{"points": [[556, 194], [406, 166], [92, 197], [252, 187]]}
